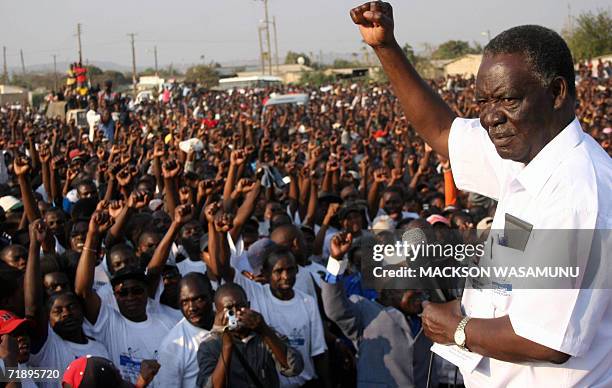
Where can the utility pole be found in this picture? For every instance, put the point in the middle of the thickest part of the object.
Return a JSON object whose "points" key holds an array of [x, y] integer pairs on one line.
{"points": [[156, 70], [55, 72], [275, 44], [5, 78], [261, 53], [267, 21], [79, 42], [22, 62], [131, 35]]}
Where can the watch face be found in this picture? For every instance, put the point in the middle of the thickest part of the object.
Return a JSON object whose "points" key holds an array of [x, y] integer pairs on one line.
{"points": [[460, 337]]}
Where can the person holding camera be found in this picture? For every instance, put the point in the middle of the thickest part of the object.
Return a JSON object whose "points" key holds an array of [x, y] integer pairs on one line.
{"points": [[242, 350]]}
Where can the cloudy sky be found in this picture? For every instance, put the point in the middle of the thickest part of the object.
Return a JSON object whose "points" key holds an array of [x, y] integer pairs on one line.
{"points": [[226, 30]]}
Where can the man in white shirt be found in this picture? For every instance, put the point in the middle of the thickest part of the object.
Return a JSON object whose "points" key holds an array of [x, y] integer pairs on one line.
{"points": [[528, 151], [290, 312], [179, 349], [131, 335]]}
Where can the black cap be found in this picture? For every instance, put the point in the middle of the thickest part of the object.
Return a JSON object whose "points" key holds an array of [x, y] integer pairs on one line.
{"points": [[128, 273]]}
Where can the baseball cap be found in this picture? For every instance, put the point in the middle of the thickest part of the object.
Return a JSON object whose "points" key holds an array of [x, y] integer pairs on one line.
{"points": [[9, 322], [128, 273], [76, 154], [92, 372], [435, 218]]}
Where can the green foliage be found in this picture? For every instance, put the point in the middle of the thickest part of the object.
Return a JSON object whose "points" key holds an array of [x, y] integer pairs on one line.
{"points": [[342, 63], [454, 49], [292, 57], [93, 70], [409, 52], [163, 73], [116, 77], [316, 78], [592, 35], [204, 75], [33, 81]]}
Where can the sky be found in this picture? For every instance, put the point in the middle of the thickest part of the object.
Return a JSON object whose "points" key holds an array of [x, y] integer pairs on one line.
{"points": [[225, 31]]}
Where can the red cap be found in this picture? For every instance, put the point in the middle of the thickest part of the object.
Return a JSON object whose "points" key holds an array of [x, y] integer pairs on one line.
{"points": [[75, 153], [435, 218], [9, 322], [74, 372]]}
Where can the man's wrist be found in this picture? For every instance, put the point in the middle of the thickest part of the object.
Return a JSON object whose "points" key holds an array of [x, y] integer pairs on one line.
{"points": [[391, 45]]}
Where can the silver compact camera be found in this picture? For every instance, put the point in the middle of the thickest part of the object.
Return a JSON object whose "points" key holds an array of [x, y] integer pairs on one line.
{"points": [[232, 321]]}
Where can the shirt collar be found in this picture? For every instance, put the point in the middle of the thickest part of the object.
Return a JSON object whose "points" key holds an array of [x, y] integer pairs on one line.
{"points": [[536, 173]]}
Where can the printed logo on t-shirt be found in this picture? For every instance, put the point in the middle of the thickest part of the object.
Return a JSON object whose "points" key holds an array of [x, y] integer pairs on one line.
{"points": [[129, 364], [296, 337]]}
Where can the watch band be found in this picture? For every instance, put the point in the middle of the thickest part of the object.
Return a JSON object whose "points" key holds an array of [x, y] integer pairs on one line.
{"points": [[461, 328]]}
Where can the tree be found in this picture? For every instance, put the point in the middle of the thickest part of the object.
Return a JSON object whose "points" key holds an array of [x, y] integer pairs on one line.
{"points": [[452, 49], [93, 70], [315, 78], [409, 52], [592, 35], [292, 58], [342, 63], [202, 74]]}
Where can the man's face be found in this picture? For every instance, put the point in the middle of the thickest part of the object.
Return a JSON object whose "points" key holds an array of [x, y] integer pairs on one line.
{"points": [[122, 259], [55, 222], [23, 343], [148, 243], [17, 257], [230, 300], [55, 282], [392, 203], [66, 315], [87, 191], [515, 108], [196, 304], [349, 193], [131, 296], [283, 274], [353, 223]]}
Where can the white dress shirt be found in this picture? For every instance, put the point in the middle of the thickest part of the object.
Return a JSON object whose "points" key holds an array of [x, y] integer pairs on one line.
{"points": [[566, 186]]}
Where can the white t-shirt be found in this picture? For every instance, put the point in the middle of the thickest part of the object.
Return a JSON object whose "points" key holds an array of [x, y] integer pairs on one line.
{"points": [[178, 356], [100, 276], [188, 265], [566, 186], [166, 313], [128, 342], [304, 282], [298, 319], [57, 353]]}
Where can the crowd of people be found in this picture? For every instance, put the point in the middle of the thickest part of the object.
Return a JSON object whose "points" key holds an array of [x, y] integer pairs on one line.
{"points": [[187, 240]]}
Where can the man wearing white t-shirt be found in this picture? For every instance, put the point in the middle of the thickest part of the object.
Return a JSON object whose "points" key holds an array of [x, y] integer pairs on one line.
{"points": [[130, 334], [528, 151], [179, 349], [290, 312], [58, 337]]}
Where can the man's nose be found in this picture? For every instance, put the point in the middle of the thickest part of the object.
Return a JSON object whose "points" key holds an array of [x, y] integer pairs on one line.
{"points": [[491, 116]]}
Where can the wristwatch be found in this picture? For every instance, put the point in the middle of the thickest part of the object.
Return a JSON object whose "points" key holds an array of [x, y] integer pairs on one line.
{"points": [[460, 333]]}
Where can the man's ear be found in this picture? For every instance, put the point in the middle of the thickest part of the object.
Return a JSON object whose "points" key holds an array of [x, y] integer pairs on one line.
{"points": [[560, 92]]}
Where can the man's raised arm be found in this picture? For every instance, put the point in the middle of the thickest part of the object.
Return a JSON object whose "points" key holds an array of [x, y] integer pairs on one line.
{"points": [[430, 115]]}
